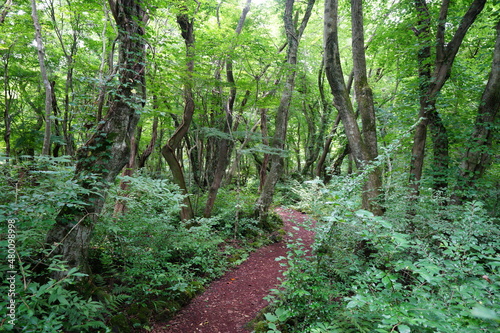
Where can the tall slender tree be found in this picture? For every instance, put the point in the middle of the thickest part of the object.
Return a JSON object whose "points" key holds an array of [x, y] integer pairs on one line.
{"points": [[363, 145], [432, 77], [186, 24], [294, 35], [45, 78], [105, 154], [225, 144]]}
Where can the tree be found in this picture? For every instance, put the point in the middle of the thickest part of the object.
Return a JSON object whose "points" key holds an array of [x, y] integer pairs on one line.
{"points": [[105, 154], [45, 78], [294, 34], [225, 145], [432, 78], [478, 153], [168, 150], [363, 145]]}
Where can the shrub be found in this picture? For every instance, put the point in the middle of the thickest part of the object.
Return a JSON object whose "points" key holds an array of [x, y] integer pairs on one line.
{"points": [[433, 271], [35, 190]]}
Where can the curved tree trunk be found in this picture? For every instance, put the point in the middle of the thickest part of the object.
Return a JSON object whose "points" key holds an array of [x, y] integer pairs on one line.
{"points": [[432, 79], [106, 153], [278, 141], [168, 151], [320, 170], [362, 151], [45, 78], [478, 154], [141, 161]]}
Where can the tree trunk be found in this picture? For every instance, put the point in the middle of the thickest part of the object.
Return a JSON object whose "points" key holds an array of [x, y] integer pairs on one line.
{"points": [[57, 125], [364, 98], [321, 166], [337, 164], [318, 138], [432, 80], [265, 141], [225, 145], [5, 11], [7, 101], [278, 141], [106, 153], [478, 154], [362, 151], [45, 78], [141, 162], [128, 171], [168, 151]]}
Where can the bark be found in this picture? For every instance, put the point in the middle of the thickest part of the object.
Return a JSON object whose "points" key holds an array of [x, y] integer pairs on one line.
{"points": [[337, 164], [362, 154], [7, 120], [151, 145], [318, 137], [478, 154], [225, 145], [57, 125], [5, 10], [321, 166], [366, 106], [265, 141], [278, 141], [105, 154], [334, 74], [45, 78], [168, 151], [128, 171], [432, 79]]}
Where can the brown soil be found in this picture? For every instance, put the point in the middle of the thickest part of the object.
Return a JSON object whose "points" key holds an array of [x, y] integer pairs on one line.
{"points": [[230, 302]]}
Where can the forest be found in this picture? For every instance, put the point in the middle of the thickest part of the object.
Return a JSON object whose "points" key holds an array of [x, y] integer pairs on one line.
{"points": [[148, 143]]}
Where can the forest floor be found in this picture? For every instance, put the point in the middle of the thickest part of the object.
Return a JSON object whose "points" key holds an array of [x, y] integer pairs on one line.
{"points": [[229, 303]]}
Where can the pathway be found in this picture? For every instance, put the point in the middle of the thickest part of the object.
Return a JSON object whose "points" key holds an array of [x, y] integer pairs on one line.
{"points": [[230, 302]]}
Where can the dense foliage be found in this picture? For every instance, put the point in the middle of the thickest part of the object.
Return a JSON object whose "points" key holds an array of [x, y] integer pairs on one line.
{"points": [[435, 270], [144, 163], [144, 262]]}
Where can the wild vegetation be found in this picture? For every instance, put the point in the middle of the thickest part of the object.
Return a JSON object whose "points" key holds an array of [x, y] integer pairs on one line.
{"points": [[145, 143]]}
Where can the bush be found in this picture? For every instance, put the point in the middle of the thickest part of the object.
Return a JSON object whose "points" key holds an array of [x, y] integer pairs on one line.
{"points": [[433, 271], [35, 190]]}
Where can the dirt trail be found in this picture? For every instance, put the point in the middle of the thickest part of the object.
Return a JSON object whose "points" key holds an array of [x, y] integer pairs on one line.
{"points": [[236, 298]]}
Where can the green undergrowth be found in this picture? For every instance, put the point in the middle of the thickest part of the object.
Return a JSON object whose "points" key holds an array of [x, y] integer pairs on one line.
{"points": [[425, 266], [145, 262]]}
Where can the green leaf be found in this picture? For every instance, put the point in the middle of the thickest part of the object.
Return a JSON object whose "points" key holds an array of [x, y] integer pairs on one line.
{"points": [[404, 329], [485, 313], [270, 317]]}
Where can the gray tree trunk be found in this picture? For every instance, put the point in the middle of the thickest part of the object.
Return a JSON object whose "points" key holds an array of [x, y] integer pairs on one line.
{"points": [[278, 141], [478, 154], [362, 151], [45, 78], [105, 154]]}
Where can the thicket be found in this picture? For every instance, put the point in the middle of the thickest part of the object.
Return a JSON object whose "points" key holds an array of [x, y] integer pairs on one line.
{"points": [[425, 266], [145, 262]]}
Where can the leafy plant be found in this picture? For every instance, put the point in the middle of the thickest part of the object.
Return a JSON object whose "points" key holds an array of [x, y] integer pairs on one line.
{"points": [[434, 271]]}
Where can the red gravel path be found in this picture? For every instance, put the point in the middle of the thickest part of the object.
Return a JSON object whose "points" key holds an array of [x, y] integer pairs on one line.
{"points": [[236, 298]]}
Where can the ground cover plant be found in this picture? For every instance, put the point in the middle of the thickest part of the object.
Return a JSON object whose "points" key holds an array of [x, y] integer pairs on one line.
{"points": [[431, 268], [145, 262]]}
